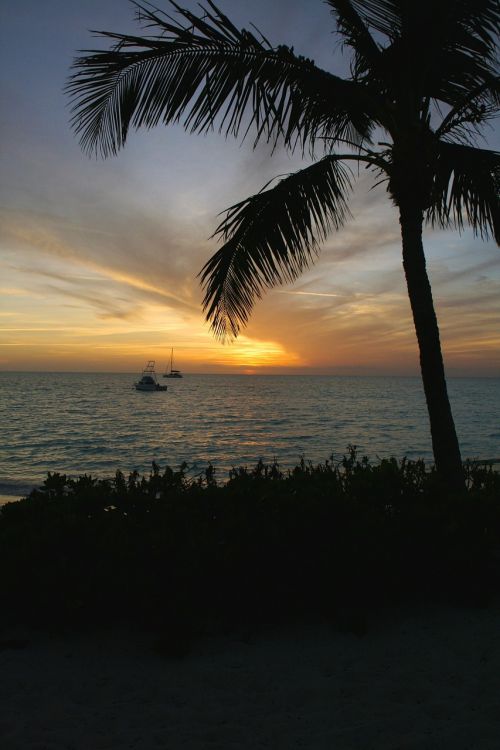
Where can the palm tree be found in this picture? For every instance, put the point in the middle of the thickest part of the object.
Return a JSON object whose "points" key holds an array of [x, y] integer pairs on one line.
{"points": [[423, 82]]}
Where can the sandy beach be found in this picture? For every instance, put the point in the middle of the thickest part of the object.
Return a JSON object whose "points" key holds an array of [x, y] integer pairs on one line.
{"points": [[421, 678]]}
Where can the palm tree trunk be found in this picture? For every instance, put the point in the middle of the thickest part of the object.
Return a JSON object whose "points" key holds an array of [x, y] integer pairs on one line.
{"points": [[444, 437]]}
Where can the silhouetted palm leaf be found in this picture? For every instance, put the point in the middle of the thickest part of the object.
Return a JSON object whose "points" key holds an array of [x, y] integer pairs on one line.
{"points": [[466, 119], [270, 238], [356, 35], [466, 189], [437, 49], [209, 73]]}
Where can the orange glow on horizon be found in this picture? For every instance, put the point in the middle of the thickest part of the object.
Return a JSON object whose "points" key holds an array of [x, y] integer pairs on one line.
{"points": [[252, 353]]}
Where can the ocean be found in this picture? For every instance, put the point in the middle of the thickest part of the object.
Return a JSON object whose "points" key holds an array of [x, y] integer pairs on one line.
{"points": [[96, 423]]}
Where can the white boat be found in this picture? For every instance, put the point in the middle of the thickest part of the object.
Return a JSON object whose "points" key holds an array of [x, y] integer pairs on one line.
{"points": [[172, 373], [148, 381]]}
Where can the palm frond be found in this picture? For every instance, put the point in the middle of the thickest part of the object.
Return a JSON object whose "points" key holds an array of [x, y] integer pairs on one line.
{"points": [[454, 44], [383, 16], [203, 71], [464, 23], [356, 36], [437, 50], [466, 189], [466, 119], [270, 238]]}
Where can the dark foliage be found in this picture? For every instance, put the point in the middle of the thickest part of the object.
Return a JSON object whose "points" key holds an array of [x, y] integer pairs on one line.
{"points": [[187, 554]]}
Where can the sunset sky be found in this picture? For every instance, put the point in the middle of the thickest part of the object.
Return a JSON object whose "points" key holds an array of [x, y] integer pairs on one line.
{"points": [[98, 259]]}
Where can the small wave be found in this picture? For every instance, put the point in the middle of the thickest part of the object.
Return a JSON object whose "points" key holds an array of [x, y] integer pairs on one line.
{"points": [[71, 426]]}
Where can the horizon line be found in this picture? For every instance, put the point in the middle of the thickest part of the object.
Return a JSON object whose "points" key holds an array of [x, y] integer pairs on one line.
{"points": [[288, 373]]}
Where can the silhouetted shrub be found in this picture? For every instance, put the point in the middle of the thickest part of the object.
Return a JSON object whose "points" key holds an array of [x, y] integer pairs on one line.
{"points": [[187, 553]]}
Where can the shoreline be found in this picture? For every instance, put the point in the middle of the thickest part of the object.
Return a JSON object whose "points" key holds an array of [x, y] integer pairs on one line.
{"points": [[4, 499], [13, 490]]}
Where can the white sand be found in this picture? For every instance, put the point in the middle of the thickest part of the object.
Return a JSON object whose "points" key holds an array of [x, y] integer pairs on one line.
{"points": [[427, 679]]}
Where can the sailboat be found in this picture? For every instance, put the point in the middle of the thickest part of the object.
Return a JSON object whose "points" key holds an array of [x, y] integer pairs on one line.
{"points": [[172, 373]]}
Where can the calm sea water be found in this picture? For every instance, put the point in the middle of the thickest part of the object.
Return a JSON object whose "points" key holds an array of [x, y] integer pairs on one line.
{"points": [[78, 423]]}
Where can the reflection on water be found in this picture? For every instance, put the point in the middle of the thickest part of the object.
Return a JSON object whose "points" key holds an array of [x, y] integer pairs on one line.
{"points": [[96, 423]]}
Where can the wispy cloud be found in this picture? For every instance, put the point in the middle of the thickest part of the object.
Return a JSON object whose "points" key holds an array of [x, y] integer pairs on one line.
{"points": [[99, 259], [307, 294]]}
